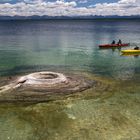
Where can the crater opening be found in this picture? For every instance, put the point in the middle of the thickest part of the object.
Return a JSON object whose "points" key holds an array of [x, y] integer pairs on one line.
{"points": [[48, 76], [43, 78]]}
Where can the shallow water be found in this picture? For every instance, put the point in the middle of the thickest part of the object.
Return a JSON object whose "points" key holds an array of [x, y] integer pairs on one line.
{"points": [[109, 111]]}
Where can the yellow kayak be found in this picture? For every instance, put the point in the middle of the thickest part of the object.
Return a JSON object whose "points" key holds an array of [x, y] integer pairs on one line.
{"points": [[131, 51], [130, 54]]}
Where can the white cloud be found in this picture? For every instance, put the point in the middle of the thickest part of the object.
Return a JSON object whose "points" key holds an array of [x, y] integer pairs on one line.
{"points": [[127, 1], [36, 8], [123, 7], [83, 1], [62, 8], [33, 1]]}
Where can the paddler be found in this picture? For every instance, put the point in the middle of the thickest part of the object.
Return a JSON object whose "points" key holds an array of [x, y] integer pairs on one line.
{"points": [[113, 42], [136, 48], [119, 42]]}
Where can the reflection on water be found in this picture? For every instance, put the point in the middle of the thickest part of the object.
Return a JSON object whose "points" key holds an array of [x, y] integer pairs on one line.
{"points": [[67, 44], [110, 111]]}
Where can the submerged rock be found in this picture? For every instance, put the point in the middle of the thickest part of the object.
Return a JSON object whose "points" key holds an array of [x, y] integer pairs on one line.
{"points": [[43, 79], [40, 86]]}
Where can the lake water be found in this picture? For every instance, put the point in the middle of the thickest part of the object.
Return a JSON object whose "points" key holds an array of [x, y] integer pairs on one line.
{"points": [[72, 45]]}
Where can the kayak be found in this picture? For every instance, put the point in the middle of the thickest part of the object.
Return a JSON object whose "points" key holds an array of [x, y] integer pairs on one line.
{"points": [[131, 51], [130, 54], [113, 45]]}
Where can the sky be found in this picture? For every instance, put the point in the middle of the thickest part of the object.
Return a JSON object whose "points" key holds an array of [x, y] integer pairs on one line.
{"points": [[69, 7]]}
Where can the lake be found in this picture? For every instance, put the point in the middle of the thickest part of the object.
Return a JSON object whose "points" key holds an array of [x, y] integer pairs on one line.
{"points": [[109, 112]]}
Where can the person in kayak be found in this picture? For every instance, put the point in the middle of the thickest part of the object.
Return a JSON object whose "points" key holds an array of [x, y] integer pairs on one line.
{"points": [[113, 42], [136, 48], [119, 42]]}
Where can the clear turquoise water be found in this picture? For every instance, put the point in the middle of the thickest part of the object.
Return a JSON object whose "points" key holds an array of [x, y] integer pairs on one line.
{"points": [[67, 45], [60, 45]]}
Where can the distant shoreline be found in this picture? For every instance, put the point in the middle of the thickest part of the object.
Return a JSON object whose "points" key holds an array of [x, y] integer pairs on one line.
{"points": [[22, 18], [105, 19]]}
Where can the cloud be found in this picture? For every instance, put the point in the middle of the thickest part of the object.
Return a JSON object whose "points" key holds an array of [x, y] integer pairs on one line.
{"points": [[63, 8], [122, 7], [28, 8], [83, 1], [32, 1]]}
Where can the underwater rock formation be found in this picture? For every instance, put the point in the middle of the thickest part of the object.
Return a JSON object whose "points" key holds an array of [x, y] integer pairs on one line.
{"points": [[43, 79], [39, 86]]}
